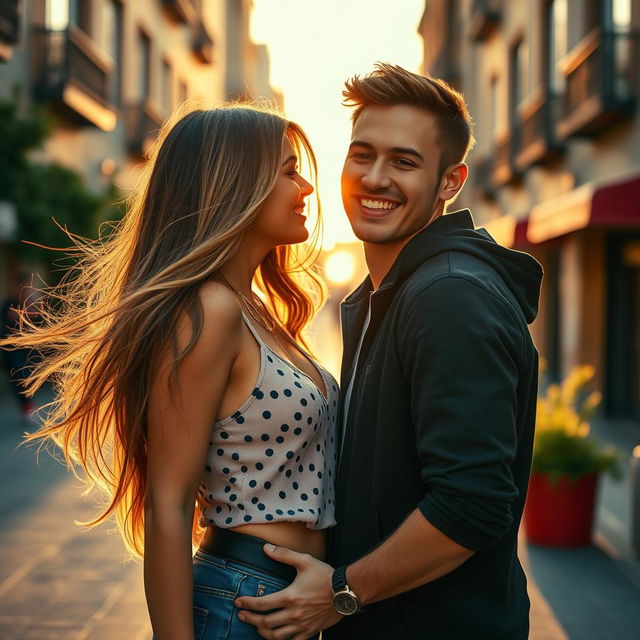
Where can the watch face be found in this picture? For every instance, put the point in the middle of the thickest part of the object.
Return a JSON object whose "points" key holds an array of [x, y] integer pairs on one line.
{"points": [[345, 603]]}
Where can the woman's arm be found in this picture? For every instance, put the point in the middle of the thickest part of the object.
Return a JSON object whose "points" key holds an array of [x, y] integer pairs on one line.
{"points": [[180, 417]]}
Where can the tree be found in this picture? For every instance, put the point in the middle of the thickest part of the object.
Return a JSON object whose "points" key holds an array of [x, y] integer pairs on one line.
{"points": [[44, 192]]}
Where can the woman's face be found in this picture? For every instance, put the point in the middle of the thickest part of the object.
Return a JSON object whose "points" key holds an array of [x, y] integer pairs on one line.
{"points": [[281, 218]]}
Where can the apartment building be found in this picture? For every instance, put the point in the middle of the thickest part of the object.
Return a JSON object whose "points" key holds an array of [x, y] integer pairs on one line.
{"points": [[111, 71], [553, 86]]}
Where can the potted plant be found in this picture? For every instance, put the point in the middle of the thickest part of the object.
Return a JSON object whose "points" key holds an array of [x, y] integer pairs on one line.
{"points": [[567, 463]]}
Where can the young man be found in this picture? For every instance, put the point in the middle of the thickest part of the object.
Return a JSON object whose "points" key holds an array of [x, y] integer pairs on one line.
{"points": [[439, 377]]}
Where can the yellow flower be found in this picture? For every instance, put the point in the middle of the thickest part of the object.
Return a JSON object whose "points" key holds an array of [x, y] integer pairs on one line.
{"points": [[592, 401], [583, 429], [559, 409]]}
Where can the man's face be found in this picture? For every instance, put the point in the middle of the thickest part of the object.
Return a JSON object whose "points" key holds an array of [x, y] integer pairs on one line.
{"points": [[390, 179]]}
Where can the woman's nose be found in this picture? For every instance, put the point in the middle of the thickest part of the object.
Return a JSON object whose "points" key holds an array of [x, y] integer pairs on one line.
{"points": [[306, 188]]}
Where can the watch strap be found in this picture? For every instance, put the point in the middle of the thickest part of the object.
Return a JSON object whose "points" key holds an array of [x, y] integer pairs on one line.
{"points": [[339, 579]]}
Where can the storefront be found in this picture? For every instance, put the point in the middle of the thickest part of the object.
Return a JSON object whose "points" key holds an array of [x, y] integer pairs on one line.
{"points": [[588, 242]]}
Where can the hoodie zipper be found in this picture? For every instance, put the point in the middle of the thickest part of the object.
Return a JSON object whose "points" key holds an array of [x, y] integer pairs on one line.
{"points": [[352, 383]]}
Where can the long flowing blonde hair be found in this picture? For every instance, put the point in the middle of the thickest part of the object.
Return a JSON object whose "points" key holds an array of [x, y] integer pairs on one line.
{"points": [[114, 312]]}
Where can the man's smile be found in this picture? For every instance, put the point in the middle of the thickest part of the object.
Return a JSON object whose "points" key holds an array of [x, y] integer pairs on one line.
{"points": [[376, 205]]}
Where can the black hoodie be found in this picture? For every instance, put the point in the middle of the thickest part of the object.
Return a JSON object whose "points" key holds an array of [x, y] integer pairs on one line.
{"points": [[441, 418]]}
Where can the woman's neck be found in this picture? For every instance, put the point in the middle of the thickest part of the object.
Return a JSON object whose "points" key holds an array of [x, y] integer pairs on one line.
{"points": [[240, 270]]}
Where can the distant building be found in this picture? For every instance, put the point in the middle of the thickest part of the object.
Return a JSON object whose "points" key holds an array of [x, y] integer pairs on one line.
{"points": [[113, 70], [553, 87], [247, 74], [9, 28]]}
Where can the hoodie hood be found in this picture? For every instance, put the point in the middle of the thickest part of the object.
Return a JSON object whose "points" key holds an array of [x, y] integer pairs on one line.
{"points": [[455, 232]]}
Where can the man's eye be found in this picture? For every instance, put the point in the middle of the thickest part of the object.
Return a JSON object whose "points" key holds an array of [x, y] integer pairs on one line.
{"points": [[360, 155], [404, 162]]}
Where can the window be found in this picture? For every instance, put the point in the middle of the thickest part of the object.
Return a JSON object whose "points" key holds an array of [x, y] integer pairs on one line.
{"points": [[144, 69], [113, 27], [620, 21], [518, 72], [621, 14], [57, 14], [556, 18]]}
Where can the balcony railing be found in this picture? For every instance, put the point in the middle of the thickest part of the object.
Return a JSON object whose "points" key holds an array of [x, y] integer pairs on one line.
{"points": [[74, 74], [485, 18], [537, 139], [181, 10], [600, 82], [143, 122], [202, 44], [9, 21]]}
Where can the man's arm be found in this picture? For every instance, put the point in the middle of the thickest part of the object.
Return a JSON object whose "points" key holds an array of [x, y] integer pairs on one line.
{"points": [[415, 554], [461, 347]]}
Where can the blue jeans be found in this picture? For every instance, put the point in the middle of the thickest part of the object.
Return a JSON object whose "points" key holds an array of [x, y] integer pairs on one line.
{"points": [[216, 584]]}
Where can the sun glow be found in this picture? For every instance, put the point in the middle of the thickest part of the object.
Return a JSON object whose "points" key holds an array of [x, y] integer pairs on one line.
{"points": [[340, 267], [314, 47]]}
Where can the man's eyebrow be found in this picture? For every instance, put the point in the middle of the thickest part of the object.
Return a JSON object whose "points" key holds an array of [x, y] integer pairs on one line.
{"points": [[289, 159], [404, 150], [407, 151]]}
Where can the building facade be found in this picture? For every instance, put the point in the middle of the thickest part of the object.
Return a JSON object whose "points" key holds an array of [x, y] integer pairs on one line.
{"points": [[553, 87], [111, 71], [8, 28]]}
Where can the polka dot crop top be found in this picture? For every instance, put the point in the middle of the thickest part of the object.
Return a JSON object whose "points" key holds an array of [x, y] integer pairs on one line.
{"points": [[274, 459]]}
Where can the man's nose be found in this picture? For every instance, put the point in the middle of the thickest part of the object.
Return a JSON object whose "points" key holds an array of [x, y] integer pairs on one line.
{"points": [[375, 177]]}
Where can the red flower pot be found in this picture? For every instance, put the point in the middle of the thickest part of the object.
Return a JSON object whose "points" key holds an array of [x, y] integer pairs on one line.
{"points": [[560, 514]]}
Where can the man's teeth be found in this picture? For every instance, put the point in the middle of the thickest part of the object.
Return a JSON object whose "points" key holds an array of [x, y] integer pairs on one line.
{"points": [[378, 204]]}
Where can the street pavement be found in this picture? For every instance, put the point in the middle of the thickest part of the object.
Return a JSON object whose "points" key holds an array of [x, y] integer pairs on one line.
{"points": [[59, 581]]}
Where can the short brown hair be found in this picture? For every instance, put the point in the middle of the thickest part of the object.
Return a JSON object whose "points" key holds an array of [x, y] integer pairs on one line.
{"points": [[391, 85]]}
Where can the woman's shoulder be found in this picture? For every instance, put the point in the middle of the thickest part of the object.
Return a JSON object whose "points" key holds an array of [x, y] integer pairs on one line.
{"points": [[221, 319], [219, 304]]}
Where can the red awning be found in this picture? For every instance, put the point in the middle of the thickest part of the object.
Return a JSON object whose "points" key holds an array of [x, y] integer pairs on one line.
{"points": [[617, 205], [520, 234]]}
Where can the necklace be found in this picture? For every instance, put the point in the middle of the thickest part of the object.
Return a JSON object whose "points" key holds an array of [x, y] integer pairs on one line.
{"points": [[267, 322], [269, 325]]}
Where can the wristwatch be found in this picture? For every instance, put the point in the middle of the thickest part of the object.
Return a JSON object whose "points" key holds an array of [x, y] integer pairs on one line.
{"points": [[345, 601]]}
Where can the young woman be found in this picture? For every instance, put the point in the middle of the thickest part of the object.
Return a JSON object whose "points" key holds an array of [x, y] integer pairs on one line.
{"points": [[191, 401]]}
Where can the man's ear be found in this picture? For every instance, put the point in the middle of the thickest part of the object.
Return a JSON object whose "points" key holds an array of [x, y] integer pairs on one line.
{"points": [[453, 180]]}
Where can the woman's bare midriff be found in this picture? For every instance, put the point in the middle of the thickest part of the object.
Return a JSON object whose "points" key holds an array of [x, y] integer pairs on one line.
{"points": [[293, 535]]}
